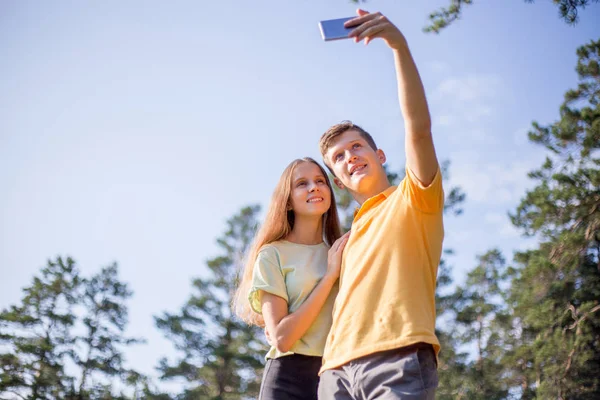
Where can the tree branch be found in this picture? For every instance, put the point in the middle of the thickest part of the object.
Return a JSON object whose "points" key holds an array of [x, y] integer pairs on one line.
{"points": [[576, 324]]}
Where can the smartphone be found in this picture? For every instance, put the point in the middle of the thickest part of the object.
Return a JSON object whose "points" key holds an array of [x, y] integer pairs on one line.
{"points": [[333, 29]]}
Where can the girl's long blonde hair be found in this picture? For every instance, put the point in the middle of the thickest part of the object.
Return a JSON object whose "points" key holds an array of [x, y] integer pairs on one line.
{"points": [[278, 223]]}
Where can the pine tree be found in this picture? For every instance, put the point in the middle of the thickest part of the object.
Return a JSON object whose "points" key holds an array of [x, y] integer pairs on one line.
{"points": [[37, 334], [43, 356], [100, 355], [481, 322], [221, 357], [556, 287], [568, 11], [452, 361]]}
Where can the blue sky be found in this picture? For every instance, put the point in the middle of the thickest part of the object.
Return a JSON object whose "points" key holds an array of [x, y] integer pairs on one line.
{"points": [[130, 131]]}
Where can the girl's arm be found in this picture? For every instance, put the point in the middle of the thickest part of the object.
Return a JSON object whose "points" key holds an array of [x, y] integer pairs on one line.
{"points": [[285, 329]]}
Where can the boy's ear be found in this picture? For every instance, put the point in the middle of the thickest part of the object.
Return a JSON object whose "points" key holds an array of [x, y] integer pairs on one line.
{"points": [[381, 156], [338, 183]]}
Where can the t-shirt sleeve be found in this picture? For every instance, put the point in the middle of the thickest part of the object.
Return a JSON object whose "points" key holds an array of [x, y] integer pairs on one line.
{"points": [[268, 277], [428, 199]]}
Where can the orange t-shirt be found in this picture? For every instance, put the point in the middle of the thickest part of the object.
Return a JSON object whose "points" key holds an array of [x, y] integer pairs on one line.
{"points": [[386, 296]]}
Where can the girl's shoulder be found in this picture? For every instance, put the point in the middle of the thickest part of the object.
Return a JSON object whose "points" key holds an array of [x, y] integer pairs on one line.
{"points": [[269, 248], [270, 251]]}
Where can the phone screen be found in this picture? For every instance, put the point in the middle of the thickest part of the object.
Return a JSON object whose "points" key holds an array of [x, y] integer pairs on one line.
{"points": [[333, 29]]}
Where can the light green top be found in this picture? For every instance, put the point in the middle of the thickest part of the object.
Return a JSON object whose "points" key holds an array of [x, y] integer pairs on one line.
{"points": [[291, 271]]}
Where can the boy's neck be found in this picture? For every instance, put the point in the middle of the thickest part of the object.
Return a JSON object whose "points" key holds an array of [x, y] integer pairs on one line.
{"points": [[377, 188]]}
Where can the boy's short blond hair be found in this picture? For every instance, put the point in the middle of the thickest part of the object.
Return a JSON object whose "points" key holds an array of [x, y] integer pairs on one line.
{"points": [[336, 130]]}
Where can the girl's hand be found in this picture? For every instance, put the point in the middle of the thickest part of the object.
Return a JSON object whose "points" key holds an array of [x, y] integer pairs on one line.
{"points": [[334, 256]]}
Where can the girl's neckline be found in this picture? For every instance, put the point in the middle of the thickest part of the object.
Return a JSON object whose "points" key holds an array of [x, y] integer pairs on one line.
{"points": [[302, 244]]}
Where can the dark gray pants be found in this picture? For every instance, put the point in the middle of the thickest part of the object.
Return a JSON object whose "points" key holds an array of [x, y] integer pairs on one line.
{"points": [[293, 377], [399, 374]]}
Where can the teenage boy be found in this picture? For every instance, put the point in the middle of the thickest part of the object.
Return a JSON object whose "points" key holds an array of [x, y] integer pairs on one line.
{"points": [[382, 344]]}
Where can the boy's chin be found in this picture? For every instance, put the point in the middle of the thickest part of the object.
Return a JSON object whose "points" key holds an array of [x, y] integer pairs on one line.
{"points": [[358, 182]]}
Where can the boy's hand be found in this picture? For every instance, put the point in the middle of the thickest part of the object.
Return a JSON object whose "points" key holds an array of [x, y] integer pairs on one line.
{"points": [[370, 26]]}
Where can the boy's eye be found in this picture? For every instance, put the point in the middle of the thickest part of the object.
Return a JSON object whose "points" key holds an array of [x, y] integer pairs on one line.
{"points": [[356, 145], [338, 157]]}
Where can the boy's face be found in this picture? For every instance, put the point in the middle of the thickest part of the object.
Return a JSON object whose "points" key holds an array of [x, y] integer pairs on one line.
{"points": [[355, 164]]}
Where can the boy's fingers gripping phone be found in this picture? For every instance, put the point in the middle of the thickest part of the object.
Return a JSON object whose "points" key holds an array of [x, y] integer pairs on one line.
{"points": [[334, 29]]}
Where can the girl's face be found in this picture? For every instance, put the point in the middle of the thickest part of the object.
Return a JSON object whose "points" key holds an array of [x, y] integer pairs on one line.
{"points": [[310, 195]]}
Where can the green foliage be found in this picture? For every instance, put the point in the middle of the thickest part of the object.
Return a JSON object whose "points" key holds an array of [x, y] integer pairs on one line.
{"points": [[445, 16], [533, 329], [105, 317], [556, 287], [39, 336], [221, 357], [530, 330], [480, 319]]}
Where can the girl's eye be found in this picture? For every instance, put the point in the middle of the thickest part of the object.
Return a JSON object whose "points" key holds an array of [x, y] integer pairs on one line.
{"points": [[301, 184], [338, 157]]}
